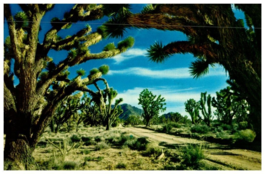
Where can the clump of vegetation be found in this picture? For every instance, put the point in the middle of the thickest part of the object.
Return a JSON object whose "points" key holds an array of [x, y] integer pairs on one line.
{"points": [[88, 158], [152, 149], [121, 166], [101, 145], [246, 135], [85, 151], [69, 165], [168, 127], [98, 139], [243, 125], [75, 138], [200, 129], [191, 156]]}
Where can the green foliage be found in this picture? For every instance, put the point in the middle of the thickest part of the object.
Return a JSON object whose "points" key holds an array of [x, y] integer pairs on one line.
{"points": [[104, 69], [81, 72], [152, 149], [102, 30], [156, 52], [98, 139], [192, 155], [151, 105], [109, 47], [243, 125], [121, 166], [21, 19], [75, 138], [147, 9], [101, 145], [202, 129], [246, 135], [94, 71], [199, 68], [168, 127], [43, 75], [69, 165], [126, 43], [192, 107], [133, 120], [207, 114], [85, 151]]}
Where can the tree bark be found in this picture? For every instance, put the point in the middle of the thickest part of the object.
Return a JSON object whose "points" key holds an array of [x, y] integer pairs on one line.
{"points": [[18, 153]]}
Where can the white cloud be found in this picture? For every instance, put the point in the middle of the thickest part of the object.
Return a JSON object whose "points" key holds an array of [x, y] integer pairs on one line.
{"points": [[175, 73], [175, 98], [129, 54]]}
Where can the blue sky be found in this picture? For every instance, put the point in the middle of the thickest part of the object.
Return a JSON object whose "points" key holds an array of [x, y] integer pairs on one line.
{"points": [[132, 71]]}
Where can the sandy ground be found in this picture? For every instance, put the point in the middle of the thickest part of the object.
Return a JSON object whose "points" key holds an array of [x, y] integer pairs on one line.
{"points": [[228, 159]]}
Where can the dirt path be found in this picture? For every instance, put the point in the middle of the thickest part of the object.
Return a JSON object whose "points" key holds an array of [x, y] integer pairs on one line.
{"points": [[238, 159]]}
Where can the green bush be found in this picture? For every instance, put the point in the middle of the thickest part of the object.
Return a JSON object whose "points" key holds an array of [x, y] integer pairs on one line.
{"points": [[246, 135], [152, 149], [121, 166], [75, 138], [166, 128], [98, 139], [90, 142], [86, 151], [226, 127], [101, 145], [69, 165], [243, 125], [200, 129], [192, 155], [84, 139], [176, 125]]}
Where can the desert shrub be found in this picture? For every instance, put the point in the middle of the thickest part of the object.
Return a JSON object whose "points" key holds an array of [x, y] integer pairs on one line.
{"points": [[69, 165], [51, 164], [243, 125], [75, 138], [90, 142], [222, 135], [84, 139], [192, 155], [200, 129], [166, 128], [101, 145], [176, 125], [226, 127], [88, 158], [121, 166], [85, 151], [152, 149], [246, 135], [98, 138], [140, 143]]}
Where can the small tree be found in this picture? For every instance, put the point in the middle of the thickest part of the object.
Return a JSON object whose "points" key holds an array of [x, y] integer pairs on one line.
{"points": [[207, 114], [65, 110], [151, 105], [192, 107]]}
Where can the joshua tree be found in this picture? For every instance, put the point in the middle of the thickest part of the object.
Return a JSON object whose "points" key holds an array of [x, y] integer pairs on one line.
{"points": [[65, 110], [40, 79], [228, 105], [151, 105], [207, 114], [192, 107], [215, 37]]}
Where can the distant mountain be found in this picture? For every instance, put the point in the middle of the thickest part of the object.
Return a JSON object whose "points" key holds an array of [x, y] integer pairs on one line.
{"points": [[129, 110]]}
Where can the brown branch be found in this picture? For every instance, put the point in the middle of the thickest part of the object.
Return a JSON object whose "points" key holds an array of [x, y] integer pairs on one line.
{"points": [[162, 22], [210, 51]]}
